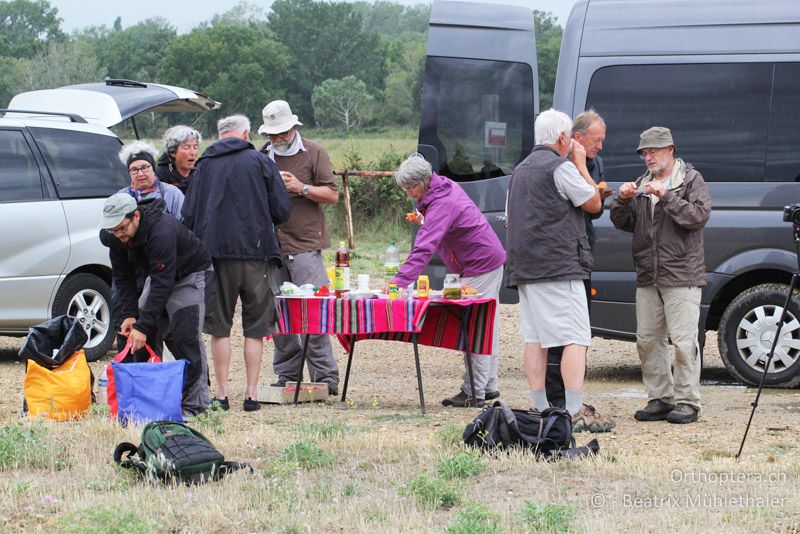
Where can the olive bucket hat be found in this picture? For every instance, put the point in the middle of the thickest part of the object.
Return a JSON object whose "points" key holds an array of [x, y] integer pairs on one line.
{"points": [[655, 137]]}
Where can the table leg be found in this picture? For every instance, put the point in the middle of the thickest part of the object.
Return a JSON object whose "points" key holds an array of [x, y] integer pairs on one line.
{"points": [[300, 372], [347, 372], [419, 375]]}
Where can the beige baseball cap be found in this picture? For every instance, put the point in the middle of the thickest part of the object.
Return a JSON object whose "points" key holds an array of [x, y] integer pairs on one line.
{"points": [[116, 208]]}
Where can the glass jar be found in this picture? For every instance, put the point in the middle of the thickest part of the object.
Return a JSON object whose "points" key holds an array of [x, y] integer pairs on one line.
{"points": [[452, 287]]}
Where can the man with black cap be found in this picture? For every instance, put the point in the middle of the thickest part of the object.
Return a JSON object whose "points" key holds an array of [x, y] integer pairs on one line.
{"points": [[306, 171], [173, 298], [666, 209]]}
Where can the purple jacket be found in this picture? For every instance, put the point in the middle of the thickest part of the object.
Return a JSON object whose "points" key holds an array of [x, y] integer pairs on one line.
{"points": [[456, 229]]}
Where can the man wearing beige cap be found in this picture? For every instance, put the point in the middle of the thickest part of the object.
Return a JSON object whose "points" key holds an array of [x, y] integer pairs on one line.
{"points": [[666, 209], [306, 171]]}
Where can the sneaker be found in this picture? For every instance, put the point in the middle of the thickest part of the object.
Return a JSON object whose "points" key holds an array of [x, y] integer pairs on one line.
{"points": [[221, 403], [251, 405], [279, 384], [492, 395], [682, 414], [462, 400], [588, 420], [656, 410]]}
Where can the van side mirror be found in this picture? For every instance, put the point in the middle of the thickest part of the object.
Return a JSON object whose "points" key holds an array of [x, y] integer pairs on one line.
{"points": [[431, 155]]}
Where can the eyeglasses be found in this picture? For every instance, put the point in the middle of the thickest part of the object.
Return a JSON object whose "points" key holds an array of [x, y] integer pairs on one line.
{"points": [[282, 134], [136, 170], [647, 152], [121, 228]]}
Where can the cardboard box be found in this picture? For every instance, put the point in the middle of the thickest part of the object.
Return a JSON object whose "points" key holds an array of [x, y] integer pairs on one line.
{"points": [[309, 392]]}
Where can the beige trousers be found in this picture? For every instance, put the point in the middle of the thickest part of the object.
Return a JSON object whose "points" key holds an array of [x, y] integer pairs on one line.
{"points": [[672, 313]]}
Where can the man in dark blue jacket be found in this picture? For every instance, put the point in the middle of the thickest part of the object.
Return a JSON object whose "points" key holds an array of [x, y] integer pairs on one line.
{"points": [[173, 298], [236, 199]]}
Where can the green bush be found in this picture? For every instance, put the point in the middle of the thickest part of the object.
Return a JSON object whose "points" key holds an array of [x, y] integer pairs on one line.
{"points": [[23, 446], [432, 492], [465, 464], [306, 454], [475, 519], [547, 518]]}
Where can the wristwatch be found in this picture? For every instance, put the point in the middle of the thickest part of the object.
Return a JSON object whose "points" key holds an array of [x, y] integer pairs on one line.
{"points": [[304, 191]]}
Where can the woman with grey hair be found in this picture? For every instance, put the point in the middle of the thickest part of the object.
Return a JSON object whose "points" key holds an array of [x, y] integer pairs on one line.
{"points": [[454, 227], [139, 158], [181, 149]]}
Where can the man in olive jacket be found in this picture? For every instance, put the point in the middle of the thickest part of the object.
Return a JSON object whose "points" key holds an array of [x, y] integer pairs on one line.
{"points": [[666, 209]]}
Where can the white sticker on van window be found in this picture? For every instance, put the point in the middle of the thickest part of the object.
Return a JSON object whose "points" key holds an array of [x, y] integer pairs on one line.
{"points": [[494, 134]]}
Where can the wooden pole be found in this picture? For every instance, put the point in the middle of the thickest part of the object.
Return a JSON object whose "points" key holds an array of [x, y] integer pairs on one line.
{"points": [[348, 210]]}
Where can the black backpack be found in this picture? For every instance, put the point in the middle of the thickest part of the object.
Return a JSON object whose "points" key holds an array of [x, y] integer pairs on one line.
{"points": [[171, 451], [547, 433]]}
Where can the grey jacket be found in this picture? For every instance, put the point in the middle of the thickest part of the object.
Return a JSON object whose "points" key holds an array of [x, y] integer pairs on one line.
{"points": [[667, 237]]}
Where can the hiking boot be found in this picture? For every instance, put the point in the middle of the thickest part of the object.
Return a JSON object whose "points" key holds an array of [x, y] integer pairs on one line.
{"points": [[682, 414], [490, 395], [279, 384], [588, 420], [462, 400], [333, 389], [656, 410], [222, 404], [251, 405]]}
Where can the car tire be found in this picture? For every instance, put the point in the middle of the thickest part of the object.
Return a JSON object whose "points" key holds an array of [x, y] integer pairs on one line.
{"points": [[88, 298], [746, 331]]}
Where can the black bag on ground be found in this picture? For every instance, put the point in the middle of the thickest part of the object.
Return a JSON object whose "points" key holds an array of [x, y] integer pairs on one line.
{"points": [[53, 341], [548, 434], [173, 452]]}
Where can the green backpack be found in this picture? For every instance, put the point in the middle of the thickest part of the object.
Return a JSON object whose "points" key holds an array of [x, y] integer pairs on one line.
{"points": [[171, 451]]}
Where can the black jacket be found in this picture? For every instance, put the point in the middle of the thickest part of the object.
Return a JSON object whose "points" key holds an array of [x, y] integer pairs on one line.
{"points": [[167, 173], [165, 250], [236, 199]]}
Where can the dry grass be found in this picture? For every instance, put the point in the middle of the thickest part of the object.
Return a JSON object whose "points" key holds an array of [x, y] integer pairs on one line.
{"points": [[375, 463]]}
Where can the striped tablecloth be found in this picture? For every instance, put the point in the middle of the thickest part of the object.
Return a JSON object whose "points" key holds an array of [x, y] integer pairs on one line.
{"points": [[437, 322]]}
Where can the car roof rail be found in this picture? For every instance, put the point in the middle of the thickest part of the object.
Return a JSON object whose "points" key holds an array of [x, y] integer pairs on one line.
{"points": [[119, 82], [71, 116]]}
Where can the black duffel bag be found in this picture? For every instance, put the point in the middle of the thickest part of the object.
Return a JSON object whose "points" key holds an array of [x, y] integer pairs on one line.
{"points": [[53, 341], [547, 433]]}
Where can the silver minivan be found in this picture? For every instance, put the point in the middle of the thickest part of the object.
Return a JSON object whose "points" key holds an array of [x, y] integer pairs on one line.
{"points": [[724, 75], [58, 161]]}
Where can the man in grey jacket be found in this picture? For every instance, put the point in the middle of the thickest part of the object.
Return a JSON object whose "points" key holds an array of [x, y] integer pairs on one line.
{"points": [[666, 209]]}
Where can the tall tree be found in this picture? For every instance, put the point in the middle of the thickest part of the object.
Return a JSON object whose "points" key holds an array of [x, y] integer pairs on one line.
{"points": [[344, 102], [325, 41], [12, 78], [64, 63], [132, 53], [403, 83], [26, 26], [548, 45], [390, 18], [233, 64]]}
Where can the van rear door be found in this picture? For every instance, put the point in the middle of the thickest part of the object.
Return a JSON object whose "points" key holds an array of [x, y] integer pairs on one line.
{"points": [[479, 99]]}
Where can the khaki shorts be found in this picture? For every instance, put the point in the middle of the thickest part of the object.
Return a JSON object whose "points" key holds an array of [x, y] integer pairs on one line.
{"points": [[252, 281], [555, 314]]}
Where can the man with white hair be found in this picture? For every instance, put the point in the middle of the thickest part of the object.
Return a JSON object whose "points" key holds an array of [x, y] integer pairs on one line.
{"points": [[307, 175], [549, 254], [236, 199]]}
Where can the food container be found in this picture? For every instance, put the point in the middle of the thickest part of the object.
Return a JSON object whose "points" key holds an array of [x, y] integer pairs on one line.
{"points": [[452, 287], [422, 286]]}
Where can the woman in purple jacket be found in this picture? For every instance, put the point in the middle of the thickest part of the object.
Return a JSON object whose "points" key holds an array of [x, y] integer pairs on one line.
{"points": [[455, 228]]}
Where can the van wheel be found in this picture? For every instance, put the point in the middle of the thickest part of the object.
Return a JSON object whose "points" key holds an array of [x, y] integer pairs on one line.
{"points": [[747, 330], [88, 298]]}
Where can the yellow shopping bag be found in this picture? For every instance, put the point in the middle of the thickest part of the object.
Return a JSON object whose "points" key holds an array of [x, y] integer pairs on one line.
{"points": [[61, 394]]}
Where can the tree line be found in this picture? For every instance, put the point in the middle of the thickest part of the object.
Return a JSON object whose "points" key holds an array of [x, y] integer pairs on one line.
{"points": [[339, 64]]}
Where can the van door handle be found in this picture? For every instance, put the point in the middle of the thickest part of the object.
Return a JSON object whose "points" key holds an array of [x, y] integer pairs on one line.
{"points": [[499, 218]]}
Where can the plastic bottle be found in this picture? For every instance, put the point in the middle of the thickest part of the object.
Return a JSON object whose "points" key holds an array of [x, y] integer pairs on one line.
{"points": [[391, 262], [342, 274]]}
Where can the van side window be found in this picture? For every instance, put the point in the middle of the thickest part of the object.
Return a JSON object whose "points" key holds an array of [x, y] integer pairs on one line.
{"points": [[718, 113], [19, 173], [83, 165], [783, 154], [478, 114]]}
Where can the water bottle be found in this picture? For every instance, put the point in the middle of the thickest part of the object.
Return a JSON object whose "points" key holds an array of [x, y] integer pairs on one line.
{"points": [[391, 263], [342, 270]]}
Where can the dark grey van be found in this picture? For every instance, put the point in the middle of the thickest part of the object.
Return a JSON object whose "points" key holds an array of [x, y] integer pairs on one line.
{"points": [[724, 75]]}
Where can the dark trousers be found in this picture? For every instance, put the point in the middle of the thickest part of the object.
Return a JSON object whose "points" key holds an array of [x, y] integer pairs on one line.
{"points": [[554, 384]]}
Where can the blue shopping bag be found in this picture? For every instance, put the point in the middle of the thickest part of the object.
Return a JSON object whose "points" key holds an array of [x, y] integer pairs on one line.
{"points": [[150, 391]]}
